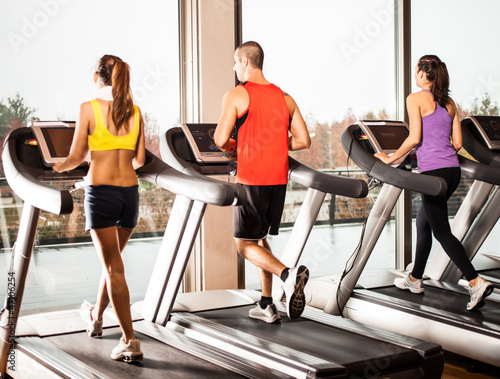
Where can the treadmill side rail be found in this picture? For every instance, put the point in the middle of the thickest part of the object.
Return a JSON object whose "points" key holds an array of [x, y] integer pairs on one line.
{"points": [[52, 359]]}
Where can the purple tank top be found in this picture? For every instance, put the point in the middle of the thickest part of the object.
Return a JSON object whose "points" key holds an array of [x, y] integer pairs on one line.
{"points": [[435, 149]]}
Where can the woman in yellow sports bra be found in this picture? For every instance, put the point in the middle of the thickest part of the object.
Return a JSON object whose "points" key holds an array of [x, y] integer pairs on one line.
{"points": [[112, 129]]}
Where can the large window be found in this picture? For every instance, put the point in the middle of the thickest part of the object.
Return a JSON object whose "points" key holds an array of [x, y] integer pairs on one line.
{"points": [[466, 44], [49, 51], [336, 59], [462, 34], [50, 47]]}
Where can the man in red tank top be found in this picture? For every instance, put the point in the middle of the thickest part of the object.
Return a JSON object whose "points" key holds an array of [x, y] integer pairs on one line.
{"points": [[268, 124]]}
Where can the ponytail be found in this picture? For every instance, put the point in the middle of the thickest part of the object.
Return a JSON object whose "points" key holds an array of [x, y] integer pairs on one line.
{"points": [[115, 73], [437, 75], [123, 106]]}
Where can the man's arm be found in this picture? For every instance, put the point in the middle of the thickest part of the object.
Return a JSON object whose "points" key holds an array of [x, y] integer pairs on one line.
{"points": [[227, 121], [300, 138]]}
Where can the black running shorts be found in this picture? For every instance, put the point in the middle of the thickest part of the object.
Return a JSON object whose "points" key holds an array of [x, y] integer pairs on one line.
{"points": [[262, 213], [107, 206]]}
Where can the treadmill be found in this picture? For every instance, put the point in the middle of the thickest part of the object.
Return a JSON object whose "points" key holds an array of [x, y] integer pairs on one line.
{"points": [[439, 315], [480, 210], [55, 344], [316, 345]]}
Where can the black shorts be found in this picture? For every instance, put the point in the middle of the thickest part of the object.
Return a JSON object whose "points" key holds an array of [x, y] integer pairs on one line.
{"points": [[262, 213], [107, 206]]}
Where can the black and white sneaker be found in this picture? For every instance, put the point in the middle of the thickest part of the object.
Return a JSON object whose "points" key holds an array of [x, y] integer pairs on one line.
{"points": [[294, 291], [478, 293], [414, 286], [130, 352], [269, 314]]}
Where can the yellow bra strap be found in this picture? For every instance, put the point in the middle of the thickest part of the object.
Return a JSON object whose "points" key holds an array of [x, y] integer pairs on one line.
{"points": [[99, 119]]}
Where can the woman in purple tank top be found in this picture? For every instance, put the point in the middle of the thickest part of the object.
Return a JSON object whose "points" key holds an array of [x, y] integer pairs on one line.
{"points": [[435, 133]]}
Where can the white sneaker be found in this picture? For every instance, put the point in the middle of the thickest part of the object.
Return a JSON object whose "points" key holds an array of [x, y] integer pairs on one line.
{"points": [[130, 352], [294, 291], [415, 286], [94, 327], [269, 314], [478, 293]]}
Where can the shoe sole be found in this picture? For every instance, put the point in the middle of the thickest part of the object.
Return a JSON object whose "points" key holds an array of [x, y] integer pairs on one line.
{"points": [[481, 303], [127, 358], [412, 290], [297, 301], [92, 334], [420, 290], [265, 320]]}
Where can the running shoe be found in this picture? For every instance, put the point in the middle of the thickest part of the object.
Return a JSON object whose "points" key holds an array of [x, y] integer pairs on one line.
{"points": [[294, 291], [414, 286], [130, 352], [478, 293], [94, 327], [269, 314]]}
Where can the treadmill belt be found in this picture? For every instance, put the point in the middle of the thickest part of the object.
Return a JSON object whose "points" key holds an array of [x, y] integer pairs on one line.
{"points": [[160, 360], [353, 351], [447, 301], [493, 273]]}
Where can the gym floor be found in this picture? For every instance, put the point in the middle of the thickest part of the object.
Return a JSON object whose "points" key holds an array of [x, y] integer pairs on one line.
{"points": [[458, 367], [76, 270]]}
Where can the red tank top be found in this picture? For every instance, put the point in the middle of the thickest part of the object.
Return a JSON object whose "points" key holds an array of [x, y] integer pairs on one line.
{"points": [[262, 146]]}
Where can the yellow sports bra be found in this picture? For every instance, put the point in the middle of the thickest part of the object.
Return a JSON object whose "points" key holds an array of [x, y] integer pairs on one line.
{"points": [[102, 139]]}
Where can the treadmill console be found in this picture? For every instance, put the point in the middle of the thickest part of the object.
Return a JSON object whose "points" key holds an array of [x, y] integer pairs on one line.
{"points": [[486, 129], [384, 136], [193, 144], [53, 139], [201, 141]]}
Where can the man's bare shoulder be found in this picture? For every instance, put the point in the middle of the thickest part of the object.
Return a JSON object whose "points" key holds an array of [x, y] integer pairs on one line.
{"points": [[237, 97], [237, 92]]}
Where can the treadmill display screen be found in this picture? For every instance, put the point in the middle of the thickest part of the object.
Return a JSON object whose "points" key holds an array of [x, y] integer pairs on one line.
{"points": [[201, 140], [486, 129], [54, 139], [203, 135], [491, 126], [389, 137], [58, 140]]}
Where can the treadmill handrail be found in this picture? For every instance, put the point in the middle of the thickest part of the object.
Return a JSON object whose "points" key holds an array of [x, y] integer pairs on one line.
{"points": [[160, 173], [476, 148], [24, 180], [297, 172], [327, 183], [428, 185], [479, 171]]}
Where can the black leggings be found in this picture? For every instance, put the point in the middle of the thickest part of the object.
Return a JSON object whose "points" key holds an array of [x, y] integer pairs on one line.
{"points": [[432, 218]]}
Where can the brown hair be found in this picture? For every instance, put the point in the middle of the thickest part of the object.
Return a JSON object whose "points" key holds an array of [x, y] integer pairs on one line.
{"points": [[437, 74], [116, 73], [253, 51]]}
